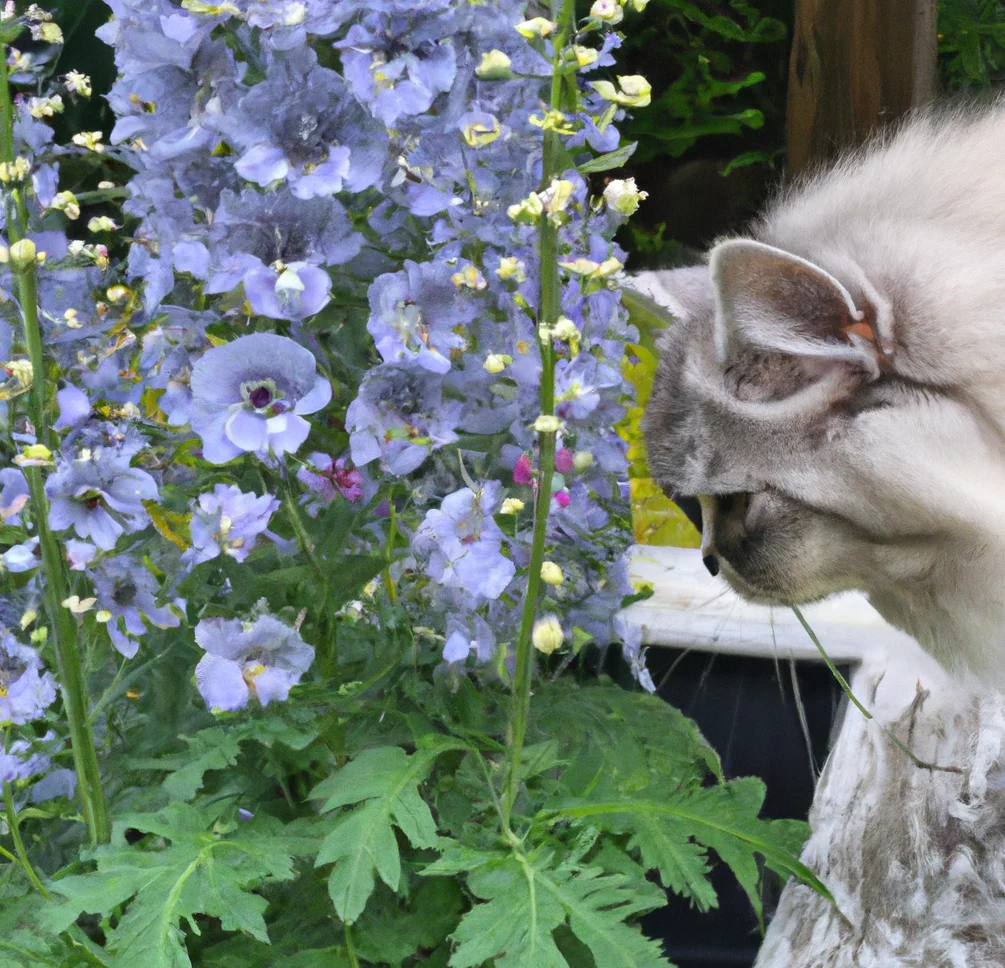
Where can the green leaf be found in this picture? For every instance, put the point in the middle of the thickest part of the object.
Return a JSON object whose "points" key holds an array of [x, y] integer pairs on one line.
{"points": [[527, 901], [202, 871], [383, 784], [210, 749], [613, 159], [723, 817]]}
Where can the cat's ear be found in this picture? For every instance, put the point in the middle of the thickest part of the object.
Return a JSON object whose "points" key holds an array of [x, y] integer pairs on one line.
{"points": [[770, 300], [684, 293]]}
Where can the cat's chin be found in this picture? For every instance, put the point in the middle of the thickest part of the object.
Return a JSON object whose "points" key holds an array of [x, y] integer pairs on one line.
{"points": [[762, 594]]}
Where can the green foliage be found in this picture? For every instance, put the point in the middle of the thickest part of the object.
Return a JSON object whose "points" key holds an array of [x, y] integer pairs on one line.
{"points": [[705, 76], [972, 43], [208, 868]]}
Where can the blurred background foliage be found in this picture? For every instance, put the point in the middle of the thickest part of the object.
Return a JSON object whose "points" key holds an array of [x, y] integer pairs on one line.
{"points": [[710, 146]]}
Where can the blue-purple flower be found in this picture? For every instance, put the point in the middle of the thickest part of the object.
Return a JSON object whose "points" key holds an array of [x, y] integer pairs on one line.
{"points": [[127, 599], [99, 495], [400, 418], [415, 314], [13, 495], [464, 544], [26, 689], [31, 760], [228, 521], [263, 658], [395, 69], [250, 395]]}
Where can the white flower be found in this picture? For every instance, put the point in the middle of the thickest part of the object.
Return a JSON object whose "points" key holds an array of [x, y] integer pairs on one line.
{"points": [[622, 196]]}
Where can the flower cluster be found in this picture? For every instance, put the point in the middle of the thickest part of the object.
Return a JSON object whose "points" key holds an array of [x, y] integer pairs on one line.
{"points": [[332, 302]]}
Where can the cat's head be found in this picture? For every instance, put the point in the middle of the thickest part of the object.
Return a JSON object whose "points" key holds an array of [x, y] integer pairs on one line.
{"points": [[826, 450]]}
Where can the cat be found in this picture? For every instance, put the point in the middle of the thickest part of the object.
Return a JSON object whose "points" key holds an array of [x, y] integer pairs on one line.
{"points": [[832, 389]]}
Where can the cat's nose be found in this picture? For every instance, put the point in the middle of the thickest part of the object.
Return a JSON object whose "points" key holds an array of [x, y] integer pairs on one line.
{"points": [[712, 564]]}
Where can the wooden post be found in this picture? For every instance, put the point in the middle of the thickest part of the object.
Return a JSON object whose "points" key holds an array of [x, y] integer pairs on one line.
{"points": [[855, 66]]}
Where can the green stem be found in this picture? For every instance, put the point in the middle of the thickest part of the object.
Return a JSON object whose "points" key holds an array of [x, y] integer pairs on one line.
{"points": [[64, 628], [549, 309], [350, 947], [392, 534], [22, 854]]}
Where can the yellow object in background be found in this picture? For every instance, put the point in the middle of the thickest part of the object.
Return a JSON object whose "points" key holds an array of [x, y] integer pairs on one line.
{"points": [[656, 519]]}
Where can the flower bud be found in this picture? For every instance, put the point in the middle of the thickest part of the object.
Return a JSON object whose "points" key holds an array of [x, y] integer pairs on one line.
{"points": [[513, 268], [607, 10], [547, 635], [582, 460], [66, 202], [585, 56], [635, 90], [511, 505], [547, 424], [551, 573], [101, 223], [623, 197], [496, 362], [22, 255], [494, 66], [538, 27]]}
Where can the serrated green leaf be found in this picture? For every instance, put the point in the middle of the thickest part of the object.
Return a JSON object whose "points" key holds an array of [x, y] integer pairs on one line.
{"points": [[201, 872], [613, 159], [526, 902], [723, 817], [383, 784], [210, 749]]}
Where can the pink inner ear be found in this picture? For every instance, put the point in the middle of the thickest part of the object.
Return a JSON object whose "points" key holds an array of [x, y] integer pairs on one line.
{"points": [[773, 300]]}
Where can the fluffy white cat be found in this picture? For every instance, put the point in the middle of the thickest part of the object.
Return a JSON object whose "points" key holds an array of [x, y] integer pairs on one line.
{"points": [[833, 390]]}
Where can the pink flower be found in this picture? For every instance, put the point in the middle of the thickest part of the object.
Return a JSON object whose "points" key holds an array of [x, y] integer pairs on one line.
{"points": [[562, 499], [563, 461], [523, 473]]}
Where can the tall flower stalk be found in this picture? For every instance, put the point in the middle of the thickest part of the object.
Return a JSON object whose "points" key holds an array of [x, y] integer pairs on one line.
{"points": [[62, 623], [549, 310]]}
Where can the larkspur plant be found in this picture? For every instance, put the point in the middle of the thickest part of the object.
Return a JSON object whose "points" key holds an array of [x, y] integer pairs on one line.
{"points": [[311, 474]]}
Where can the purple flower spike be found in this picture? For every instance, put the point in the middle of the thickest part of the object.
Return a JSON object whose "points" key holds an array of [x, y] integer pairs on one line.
{"points": [[264, 658], [249, 396], [26, 690]]}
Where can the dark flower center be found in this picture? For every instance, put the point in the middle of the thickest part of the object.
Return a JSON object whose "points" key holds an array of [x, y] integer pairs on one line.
{"points": [[11, 669], [260, 397], [124, 592]]}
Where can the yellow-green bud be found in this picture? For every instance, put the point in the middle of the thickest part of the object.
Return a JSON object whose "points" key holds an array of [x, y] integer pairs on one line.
{"points": [[582, 460], [101, 223], [496, 362], [66, 202], [512, 505], [510, 267], [494, 66], [538, 27], [635, 91], [551, 573], [547, 424], [22, 255], [607, 10], [547, 635]]}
